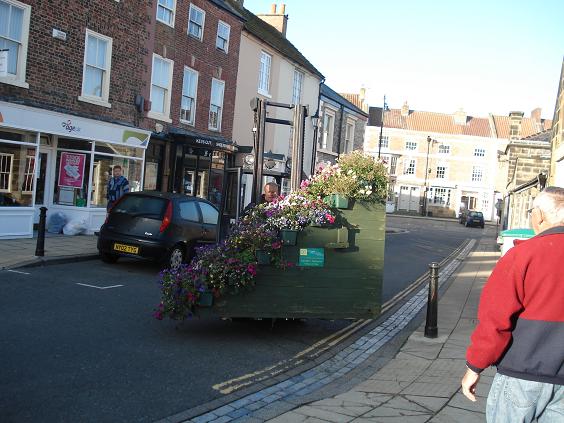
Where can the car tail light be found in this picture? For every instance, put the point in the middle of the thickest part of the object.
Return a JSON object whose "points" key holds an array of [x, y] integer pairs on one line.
{"points": [[167, 217]]}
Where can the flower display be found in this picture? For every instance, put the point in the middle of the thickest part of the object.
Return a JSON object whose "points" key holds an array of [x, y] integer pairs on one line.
{"points": [[296, 211]]}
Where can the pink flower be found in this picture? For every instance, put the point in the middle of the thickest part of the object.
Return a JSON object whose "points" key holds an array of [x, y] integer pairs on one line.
{"points": [[252, 269], [330, 218], [276, 245]]}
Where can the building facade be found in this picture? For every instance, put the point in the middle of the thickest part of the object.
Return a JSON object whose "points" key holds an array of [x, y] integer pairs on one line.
{"points": [[273, 69], [341, 126], [440, 163], [556, 176], [68, 110]]}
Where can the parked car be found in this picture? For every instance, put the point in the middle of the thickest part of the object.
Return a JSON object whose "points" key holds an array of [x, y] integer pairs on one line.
{"points": [[157, 225], [473, 218]]}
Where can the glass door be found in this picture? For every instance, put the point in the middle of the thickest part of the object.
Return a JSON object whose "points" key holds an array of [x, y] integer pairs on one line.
{"points": [[43, 177]]}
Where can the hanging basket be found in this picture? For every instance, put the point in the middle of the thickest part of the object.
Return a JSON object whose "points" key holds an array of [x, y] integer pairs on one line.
{"points": [[289, 236]]}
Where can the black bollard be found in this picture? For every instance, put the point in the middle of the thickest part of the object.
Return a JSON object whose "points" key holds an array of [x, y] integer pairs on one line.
{"points": [[40, 247], [431, 330]]}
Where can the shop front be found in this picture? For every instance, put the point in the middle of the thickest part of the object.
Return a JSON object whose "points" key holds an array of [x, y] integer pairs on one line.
{"points": [[62, 162]]}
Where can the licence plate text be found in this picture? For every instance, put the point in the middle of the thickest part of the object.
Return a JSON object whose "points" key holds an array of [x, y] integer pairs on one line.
{"points": [[126, 248]]}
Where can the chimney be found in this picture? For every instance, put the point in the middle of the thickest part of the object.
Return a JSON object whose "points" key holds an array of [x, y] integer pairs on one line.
{"points": [[515, 119], [536, 114], [405, 109], [460, 117], [277, 20], [362, 94]]}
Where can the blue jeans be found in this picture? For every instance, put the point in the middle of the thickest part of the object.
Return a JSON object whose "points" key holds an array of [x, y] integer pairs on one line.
{"points": [[515, 400]]}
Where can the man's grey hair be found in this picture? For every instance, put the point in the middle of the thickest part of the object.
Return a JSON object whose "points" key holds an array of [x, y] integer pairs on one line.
{"points": [[272, 184], [551, 202]]}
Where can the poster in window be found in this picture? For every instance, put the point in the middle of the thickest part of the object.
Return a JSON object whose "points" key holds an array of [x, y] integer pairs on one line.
{"points": [[151, 170], [71, 169]]}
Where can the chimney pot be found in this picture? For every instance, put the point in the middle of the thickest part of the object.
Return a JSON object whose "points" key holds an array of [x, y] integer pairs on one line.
{"points": [[405, 109], [536, 114], [283, 9], [273, 9]]}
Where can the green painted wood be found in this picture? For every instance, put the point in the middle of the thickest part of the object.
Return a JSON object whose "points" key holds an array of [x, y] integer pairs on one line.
{"points": [[349, 285]]}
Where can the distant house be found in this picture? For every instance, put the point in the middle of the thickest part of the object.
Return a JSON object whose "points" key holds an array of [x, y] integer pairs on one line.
{"points": [[341, 126], [442, 163]]}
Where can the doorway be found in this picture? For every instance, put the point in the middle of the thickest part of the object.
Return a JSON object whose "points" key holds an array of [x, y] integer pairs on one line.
{"points": [[44, 179]]}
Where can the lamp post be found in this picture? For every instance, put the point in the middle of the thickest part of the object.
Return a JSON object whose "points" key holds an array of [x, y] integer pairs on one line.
{"points": [[314, 123], [384, 109], [429, 141]]}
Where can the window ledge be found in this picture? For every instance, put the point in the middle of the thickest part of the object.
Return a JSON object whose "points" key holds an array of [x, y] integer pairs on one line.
{"points": [[13, 81], [166, 23], [185, 122], [95, 101], [264, 94], [159, 116], [214, 129], [325, 151]]}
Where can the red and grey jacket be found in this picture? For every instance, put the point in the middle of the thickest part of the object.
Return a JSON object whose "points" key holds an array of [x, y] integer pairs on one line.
{"points": [[521, 312]]}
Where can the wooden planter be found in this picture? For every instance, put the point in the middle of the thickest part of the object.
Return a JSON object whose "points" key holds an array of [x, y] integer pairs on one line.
{"points": [[338, 273]]}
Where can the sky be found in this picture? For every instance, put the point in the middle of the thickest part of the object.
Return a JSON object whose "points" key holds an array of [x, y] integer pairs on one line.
{"points": [[485, 56]]}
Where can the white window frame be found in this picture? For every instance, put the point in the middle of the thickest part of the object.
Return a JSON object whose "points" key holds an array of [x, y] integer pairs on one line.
{"points": [[29, 175], [444, 149], [218, 37], [393, 164], [479, 152], [327, 135], [409, 144], [19, 78], [297, 87], [265, 67], [349, 142], [190, 21], [103, 100], [220, 107], [165, 117], [385, 143], [196, 75], [7, 171], [444, 172], [477, 174], [407, 166], [444, 194], [172, 12]]}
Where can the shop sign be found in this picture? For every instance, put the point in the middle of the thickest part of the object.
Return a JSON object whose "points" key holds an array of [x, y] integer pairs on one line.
{"points": [[71, 169], [311, 257]]}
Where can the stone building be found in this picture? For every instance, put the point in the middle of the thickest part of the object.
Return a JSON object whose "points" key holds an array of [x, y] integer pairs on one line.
{"points": [[341, 126], [443, 163]]}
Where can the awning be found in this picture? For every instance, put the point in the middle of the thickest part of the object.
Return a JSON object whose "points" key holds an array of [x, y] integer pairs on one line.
{"points": [[201, 140], [42, 120]]}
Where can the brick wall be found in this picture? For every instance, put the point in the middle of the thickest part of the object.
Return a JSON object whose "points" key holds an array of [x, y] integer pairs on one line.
{"points": [[203, 56], [55, 67]]}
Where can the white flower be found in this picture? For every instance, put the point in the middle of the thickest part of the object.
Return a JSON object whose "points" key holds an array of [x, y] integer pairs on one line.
{"points": [[354, 177], [361, 191], [368, 192], [349, 171]]}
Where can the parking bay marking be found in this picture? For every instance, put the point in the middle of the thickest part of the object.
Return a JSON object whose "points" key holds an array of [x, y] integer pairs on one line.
{"points": [[98, 287], [18, 271]]}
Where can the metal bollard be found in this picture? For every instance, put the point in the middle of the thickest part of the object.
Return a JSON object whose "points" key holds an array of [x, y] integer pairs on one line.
{"points": [[431, 330], [40, 247]]}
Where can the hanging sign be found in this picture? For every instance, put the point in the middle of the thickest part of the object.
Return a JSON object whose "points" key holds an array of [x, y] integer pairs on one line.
{"points": [[71, 169]]}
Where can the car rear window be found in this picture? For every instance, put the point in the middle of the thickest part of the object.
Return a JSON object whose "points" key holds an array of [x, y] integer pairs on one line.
{"points": [[137, 205], [476, 214]]}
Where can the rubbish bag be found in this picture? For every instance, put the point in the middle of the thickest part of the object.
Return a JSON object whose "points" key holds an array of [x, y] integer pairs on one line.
{"points": [[75, 227], [56, 223]]}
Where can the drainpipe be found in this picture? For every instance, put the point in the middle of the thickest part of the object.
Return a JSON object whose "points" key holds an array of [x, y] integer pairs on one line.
{"points": [[340, 130]]}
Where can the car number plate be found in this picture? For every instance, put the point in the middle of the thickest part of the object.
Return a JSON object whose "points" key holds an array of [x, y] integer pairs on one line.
{"points": [[126, 248]]}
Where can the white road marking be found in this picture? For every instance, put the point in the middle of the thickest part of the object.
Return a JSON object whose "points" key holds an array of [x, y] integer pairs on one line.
{"points": [[99, 287], [17, 271]]}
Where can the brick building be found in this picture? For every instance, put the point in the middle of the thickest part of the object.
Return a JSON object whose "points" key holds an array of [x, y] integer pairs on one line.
{"points": [[557, 141], [67, 107]]}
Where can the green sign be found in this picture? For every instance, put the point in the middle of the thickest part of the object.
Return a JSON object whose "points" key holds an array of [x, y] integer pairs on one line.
{"points": [[312, 257]]}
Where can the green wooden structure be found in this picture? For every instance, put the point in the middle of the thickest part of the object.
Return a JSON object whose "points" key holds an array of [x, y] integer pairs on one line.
{"points": [[340, 275]]}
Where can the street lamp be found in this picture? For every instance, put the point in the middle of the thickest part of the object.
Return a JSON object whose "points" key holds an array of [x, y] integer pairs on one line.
{"points": [[314, 123], [429, 141], [384, 109]]}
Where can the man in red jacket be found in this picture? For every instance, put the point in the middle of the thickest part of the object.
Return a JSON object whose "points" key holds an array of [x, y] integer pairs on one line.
{"points": [[521, 324]]}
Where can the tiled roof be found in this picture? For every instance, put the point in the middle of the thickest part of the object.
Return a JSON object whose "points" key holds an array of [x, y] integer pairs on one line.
{"points": [[529, 126], [443, 123], [333, 95], [273, 38], [353, 98], [228, 7], [544, 136]]}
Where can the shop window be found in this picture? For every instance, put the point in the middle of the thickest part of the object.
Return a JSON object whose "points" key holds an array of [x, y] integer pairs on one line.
{"points": [[188, 102], [102, 171], [197, 18], [222, 40], [216, 104], [16, 175], [72, 174], [165, 12], [96, 72], [14, 32], [118, 150]]}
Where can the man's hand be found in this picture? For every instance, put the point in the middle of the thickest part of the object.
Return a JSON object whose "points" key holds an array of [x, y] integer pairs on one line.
{"points": [[469, 382]]}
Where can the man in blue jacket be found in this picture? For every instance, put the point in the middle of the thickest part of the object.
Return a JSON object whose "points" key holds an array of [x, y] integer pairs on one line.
{"points": [[117, 186]]}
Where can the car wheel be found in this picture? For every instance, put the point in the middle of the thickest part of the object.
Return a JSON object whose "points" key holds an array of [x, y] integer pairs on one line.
{"points": [[175, 257], [108, 258]]}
